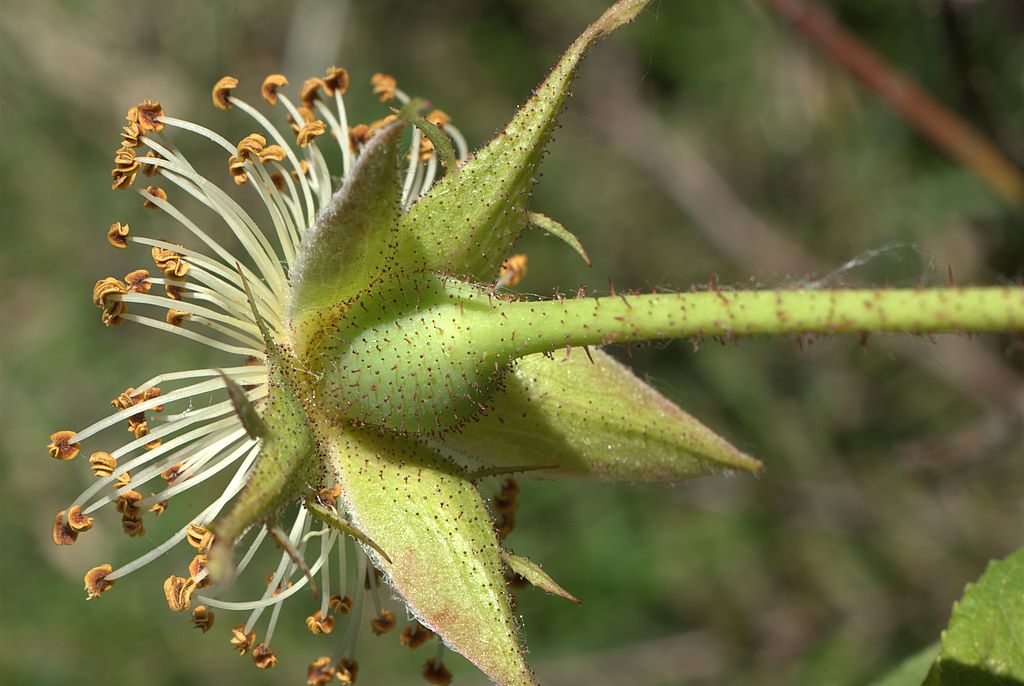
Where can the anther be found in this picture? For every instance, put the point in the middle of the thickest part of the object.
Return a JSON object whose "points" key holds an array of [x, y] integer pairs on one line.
{"points": [[310, 91], [309, 132], [336, 80], [264, 657], [138, 281], [320, 672], [77, 521], [272, 153], [62, 533], [346, 671], [177, 317], [240, 640], [128, 504], [103, 464], [434, 672], [196, 567], [439, 118], [512, 270], [131, 133], [170, 262], [61, 447], [151, 169], [154, 192], [96, 581], [318, 624], [199, 537], [237, 168], [303, 168], [358, 135], [384, 86], [328, 497], [178, 592], [202, 618], [414, 635], [171, 474], [148, 113], [251, 146], [270, 86], [341, 605], [384, 623], [376, 126], [222, 92], [117, 235]]}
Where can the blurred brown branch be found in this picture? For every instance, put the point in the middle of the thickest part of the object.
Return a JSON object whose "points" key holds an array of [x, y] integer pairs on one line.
{"points": [[757, 246], [941, 125]]}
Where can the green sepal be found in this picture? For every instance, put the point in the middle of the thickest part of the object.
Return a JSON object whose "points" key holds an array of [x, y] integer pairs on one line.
{"points": [[592, 419], [286, 465], [442, 143], [546, 223], [468, 222], [912, 671], [532, 572], [244, 408], [982, 644], [446, 562], [353, 240]]}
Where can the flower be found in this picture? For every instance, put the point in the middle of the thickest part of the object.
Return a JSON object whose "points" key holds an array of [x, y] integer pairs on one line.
{"points": [[381, 370]]}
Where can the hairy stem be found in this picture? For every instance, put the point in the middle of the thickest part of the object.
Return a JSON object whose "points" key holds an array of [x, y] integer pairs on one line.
{"points": [[629, 318]]}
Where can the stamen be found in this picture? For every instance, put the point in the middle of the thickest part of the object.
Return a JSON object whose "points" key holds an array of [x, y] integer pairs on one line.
{"points": [[279, 139], [236, 484]]}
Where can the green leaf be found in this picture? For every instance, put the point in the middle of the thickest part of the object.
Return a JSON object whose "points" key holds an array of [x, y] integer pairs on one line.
{"points": [[984, 642], [594, 419], [352, 239], [913, 670], [532, 572], [446, 562], [469, 221]]}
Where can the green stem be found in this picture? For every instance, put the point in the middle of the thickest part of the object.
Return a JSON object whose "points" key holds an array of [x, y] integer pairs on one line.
{"points": [[629, 318]]}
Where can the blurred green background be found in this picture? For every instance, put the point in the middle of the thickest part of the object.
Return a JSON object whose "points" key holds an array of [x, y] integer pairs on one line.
{"points": [[705, 139]]}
